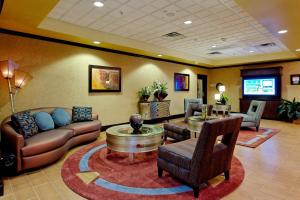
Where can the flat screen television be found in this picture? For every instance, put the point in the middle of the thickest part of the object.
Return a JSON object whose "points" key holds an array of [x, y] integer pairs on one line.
{"points": [[261, 87]]}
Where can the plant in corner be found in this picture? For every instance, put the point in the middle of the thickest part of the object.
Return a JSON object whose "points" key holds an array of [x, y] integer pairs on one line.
{"points": [[289, 110], [159, 90], [144, 93]]}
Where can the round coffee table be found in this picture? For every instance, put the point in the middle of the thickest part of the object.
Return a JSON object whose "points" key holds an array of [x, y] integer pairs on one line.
{"points": [[122, 138], [195, 123]]}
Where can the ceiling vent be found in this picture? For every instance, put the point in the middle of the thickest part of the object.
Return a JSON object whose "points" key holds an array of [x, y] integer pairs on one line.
{"points": [[174, 36], [215, 53], [269, 44]]}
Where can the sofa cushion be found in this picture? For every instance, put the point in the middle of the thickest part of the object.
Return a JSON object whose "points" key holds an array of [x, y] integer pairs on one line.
{"points": [[180, 154], [44, 121], [80, 114], [61, 117], [25, 124], [83, 127], [46, 141]]}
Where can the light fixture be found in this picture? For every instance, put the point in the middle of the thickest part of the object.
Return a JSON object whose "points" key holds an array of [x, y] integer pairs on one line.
{"points": [[222, 88], [98, 4], [188, 22], [214, 46], [159, 55], [97, 42], [217, 96], [8, 71], [282, 31], [297, 50], [251, 51]]}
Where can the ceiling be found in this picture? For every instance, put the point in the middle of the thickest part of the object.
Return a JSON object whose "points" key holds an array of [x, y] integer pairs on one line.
{"points": [[222, 32]]}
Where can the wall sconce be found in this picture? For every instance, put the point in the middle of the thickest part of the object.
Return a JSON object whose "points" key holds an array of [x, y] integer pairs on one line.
{"points": [[219, 96], [9, 71]]}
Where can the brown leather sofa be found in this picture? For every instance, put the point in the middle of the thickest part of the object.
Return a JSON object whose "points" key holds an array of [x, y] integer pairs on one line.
{"points": [[46, 147], [197, 160]]}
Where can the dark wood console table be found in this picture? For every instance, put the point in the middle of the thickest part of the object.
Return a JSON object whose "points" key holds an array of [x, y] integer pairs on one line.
{"points": [[270, 111]]}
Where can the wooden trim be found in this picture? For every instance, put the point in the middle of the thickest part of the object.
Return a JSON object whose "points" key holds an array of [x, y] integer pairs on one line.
{"points": [[1, 5], [103, 128], [49, 39]]}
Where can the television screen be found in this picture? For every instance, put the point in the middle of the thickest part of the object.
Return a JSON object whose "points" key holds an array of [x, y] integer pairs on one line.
{"points": [[260, 86]]}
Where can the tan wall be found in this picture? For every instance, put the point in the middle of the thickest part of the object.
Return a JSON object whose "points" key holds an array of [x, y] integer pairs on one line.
{"points": [[60, 78], [231, 78]]}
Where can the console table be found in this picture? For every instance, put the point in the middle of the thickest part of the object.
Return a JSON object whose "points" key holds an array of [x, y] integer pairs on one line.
{"points": [[154, 109]]}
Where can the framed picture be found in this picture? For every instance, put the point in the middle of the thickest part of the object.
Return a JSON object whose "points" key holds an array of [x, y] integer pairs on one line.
{"points": [[104, 79], [295, 79], [181, 82]]}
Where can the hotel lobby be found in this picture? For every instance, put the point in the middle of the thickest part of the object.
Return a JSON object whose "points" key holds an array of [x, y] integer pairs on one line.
{"points": [[140, 99]]}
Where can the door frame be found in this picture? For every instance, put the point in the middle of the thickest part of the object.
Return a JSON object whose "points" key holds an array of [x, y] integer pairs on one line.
{"points": [[203, 77]]}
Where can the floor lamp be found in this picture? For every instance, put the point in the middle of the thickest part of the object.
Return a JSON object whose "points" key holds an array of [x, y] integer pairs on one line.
{"points": [[9, 71]]}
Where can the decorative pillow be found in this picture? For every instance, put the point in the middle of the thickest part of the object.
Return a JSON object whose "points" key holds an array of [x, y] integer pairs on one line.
{"points": [[44, 121], [25, 124], [60, 117], [80, 114]]}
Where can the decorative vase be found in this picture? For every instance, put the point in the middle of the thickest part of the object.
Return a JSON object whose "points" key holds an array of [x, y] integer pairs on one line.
{"points": [[160, 96], [136, 121], [144, 98]]}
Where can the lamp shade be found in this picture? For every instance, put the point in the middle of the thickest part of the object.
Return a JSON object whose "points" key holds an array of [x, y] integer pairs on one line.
{"points": [[7, 68], [21, 78], [217, 97]]}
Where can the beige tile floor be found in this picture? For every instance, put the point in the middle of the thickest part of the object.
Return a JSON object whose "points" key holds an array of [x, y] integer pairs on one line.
{"points": [[272, 172]]}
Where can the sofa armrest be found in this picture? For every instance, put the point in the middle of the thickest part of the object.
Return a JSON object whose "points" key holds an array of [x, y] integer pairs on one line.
{"points": [[13, 141], [95, 116]]}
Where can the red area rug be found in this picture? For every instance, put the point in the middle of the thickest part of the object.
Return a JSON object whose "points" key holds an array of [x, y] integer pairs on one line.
{"points": [[252, 138], [114, 172]]}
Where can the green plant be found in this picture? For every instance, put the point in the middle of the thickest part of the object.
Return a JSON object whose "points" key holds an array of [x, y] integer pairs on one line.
{"points": [[159, 87], [224, 99], [289, 110], [145, 91]]}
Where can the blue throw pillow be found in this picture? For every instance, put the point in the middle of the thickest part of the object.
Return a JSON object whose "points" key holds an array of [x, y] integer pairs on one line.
{"points": [[81, 114], [61, 117], [44, 121], [25, 124]]}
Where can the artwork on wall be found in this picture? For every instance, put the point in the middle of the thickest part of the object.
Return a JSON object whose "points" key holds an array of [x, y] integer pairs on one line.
{"points": [[181, 82], [104, 79], [295, 79]]}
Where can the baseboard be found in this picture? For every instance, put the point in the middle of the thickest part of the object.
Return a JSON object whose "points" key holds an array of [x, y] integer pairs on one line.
{"points": [[152, 121]]}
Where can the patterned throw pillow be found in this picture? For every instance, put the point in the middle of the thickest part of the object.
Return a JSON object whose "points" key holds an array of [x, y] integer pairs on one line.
{"points": [[25, 123], [80, 114]]}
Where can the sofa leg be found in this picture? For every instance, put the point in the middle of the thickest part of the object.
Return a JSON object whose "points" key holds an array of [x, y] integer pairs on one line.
{"points": [[227, 175], [196, 191], [160, 172]]}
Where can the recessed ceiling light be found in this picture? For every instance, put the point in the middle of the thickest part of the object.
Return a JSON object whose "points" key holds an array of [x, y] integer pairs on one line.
{"points": [[298, 50], [98, 4], [188, 22], [96, 42], [282, 31], [214, 46], [159, 55], [251, 51]]}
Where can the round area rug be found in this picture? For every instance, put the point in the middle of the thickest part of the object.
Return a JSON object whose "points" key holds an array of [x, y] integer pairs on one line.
{"points": [[93, 174]]}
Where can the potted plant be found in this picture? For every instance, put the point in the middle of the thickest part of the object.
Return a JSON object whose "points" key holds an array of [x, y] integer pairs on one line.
{"points": [[289, 110], [145, 93], [224, 99], [159, 90]]}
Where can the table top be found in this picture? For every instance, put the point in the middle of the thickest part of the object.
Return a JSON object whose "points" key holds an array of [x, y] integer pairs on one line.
{"points": [[127, 131]]}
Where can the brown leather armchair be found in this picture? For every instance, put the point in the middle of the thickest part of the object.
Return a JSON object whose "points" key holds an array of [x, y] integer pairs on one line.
{"points": [[178, 131], [46, 147], [197, 160]]}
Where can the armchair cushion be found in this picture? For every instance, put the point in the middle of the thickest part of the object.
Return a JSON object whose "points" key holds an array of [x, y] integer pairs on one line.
{"points": [[246, 118], [25, 124], [179, 154]]}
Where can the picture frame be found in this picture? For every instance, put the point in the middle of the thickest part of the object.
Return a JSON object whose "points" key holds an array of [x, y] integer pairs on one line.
{"points": [[295, 79], [181, 82], [104, 79]]}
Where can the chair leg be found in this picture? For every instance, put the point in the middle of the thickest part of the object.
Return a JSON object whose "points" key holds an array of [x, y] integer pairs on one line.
{"points": [[160, 172], [165, 137], [196, 191], [227, 175], [257, 128]]}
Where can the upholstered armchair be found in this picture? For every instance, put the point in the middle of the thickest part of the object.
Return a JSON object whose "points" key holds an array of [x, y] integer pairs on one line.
{"points": [[191, 101], [178, 131], [254, 114], [195, 161]]}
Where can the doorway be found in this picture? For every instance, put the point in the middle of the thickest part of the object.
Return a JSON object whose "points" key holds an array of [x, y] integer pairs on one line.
{"points": [[202, 87]]}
